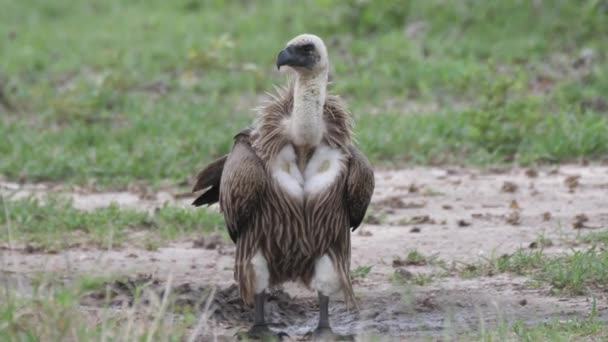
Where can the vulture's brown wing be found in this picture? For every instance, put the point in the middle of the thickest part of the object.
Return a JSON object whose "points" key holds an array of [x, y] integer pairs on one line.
{"points": [[210, 177], [242, 187], [359, 186]]}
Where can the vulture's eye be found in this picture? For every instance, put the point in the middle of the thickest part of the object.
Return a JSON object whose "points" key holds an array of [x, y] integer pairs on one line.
{"points": [[308, 47]]}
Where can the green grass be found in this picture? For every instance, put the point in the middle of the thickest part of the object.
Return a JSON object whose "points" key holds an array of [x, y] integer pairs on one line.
{"points": [[589, 328], [56, 313], [569, 330], [53, 224], [117, 91], [361, 271], [595, 238], [575, 273]]}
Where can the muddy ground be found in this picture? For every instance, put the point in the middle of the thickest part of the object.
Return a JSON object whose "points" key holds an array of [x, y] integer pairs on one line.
{"points": [[451, 214]]}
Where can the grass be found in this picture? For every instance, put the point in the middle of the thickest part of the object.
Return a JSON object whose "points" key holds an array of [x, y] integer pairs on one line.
{"points": [[595, 238], [118, 92], [576, 273], [588, 328], [57, 313], [361, 271], [53, 224], [569, 330]]}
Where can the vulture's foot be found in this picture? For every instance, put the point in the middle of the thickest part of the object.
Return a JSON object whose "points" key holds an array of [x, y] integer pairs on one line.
{"points": [[261, 332], [326, 334]]}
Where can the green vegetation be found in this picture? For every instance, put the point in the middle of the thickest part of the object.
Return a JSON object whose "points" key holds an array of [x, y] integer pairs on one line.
{"points": [[589, 328], [55, 313], [113, 92], [54, 224], [117, 91], [415, 258], [578, 272], [361, 271], [595, 238]]}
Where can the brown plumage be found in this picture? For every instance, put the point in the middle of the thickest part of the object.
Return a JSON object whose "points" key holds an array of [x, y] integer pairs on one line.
{"points": [[275, 222], [293, 211]]}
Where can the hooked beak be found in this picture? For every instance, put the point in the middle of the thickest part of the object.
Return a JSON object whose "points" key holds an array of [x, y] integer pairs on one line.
{"points": [[285, 57]]}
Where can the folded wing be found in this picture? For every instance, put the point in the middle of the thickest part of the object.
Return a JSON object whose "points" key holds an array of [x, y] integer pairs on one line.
{"points": [[359, 186], [242, 187]]}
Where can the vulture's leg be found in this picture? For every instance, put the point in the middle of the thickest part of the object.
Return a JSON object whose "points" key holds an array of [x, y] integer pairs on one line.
{"points": [[260, 329], [327, 282]]}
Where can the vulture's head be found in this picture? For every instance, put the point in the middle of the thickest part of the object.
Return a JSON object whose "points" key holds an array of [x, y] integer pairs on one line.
{"points": [[305, 53]]}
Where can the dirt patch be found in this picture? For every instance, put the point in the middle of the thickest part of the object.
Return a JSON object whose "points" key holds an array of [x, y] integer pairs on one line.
{"points": [[139, 198], [459, 214], [454, 308]]}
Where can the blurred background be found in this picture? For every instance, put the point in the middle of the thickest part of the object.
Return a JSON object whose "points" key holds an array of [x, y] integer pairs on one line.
{"points": [[113, 91]]}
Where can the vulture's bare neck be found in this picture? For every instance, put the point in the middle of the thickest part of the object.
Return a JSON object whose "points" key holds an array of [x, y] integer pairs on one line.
{"points": [[307, 125]]}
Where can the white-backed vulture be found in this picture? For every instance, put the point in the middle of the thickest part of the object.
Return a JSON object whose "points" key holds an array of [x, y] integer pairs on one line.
{"points": [[292, 188]]}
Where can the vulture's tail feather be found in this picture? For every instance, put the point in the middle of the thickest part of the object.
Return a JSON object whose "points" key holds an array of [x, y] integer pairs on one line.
{"points": [[209, 178], [209, 197]]}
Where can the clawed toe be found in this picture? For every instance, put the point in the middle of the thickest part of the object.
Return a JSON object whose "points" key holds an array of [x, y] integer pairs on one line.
{"points": [[326, 334], [261, 332]]}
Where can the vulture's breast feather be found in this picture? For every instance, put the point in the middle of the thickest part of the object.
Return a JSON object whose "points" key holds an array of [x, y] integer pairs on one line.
{"points": [[323, 169]]}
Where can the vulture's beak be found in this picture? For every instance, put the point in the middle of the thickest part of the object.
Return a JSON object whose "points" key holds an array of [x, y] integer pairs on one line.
{"points": [[285, 57]]}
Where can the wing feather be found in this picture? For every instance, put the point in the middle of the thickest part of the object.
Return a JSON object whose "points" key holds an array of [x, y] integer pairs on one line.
{"points": [[242, 187], [359, 186], [209, 178]]}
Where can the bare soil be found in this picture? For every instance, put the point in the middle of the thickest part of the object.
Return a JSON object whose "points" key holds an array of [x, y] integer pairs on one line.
{"points": [[451, 214]]}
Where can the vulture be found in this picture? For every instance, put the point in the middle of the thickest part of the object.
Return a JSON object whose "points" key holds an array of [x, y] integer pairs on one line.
{"points": [[292, 189]]}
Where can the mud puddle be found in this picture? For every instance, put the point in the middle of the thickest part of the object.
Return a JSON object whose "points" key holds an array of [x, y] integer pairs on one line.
{"points": [[451, 214], [443, 311]]}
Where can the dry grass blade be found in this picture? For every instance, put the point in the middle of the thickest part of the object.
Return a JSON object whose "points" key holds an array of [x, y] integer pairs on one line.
{"points": [[163, 308], [202, 322]]}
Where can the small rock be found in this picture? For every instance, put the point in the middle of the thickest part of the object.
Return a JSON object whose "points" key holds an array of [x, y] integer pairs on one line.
{"points": [[211, 242], [514, 205], [422, 219], [532, 173], [372, 218], [30, 249], [413, 188], [514, 218], [364, 232], [579, 221], [415, 230], [398, 203], [429, 302], [509, 187], [199, 243], [398, 262], [572, 182], [447, 207], [463, 223], [404, 274]]}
